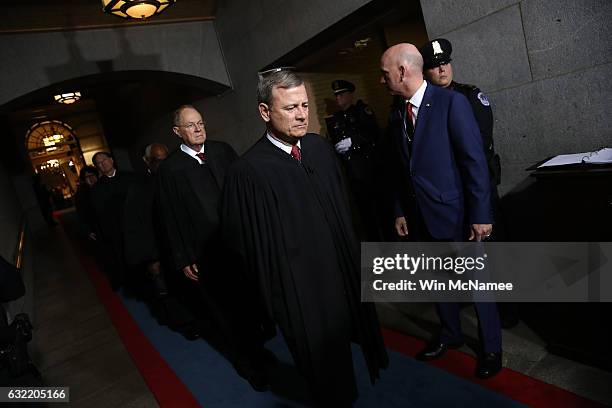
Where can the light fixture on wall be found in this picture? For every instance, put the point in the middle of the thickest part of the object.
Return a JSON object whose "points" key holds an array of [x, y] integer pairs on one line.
{"points": [[136, 9], [68, 97], [53, 140]]}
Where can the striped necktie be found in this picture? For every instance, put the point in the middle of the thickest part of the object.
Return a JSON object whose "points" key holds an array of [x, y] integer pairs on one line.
{"points": [[295, 153]]}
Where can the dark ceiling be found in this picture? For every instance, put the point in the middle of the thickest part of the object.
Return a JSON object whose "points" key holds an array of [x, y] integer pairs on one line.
{"points": [[51, 15], [334, 42]]}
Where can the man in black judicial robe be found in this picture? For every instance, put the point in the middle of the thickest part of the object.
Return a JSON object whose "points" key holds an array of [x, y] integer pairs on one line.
{"points": [[286, 217], [190, 181], [108, 199], [88, 177], [143, 236], [140, 233]]}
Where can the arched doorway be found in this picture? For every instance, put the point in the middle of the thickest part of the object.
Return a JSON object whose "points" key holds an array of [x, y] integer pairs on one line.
{"points": [[56, 156]]}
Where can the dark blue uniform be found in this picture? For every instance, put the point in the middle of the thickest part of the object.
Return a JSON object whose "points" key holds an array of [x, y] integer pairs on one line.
{"points": [[358, 123]]}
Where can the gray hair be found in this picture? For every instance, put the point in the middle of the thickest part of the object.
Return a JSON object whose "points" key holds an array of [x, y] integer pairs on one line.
{"points": [[280, 78], [177, 113]]}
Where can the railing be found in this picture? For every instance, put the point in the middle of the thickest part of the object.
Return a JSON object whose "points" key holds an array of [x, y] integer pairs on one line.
{"points": [[20, 244]]}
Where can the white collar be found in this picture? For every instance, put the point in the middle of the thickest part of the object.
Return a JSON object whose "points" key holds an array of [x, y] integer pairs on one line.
{"points": [[417, 98], [281, 145], [114, 174], [192, 152]]}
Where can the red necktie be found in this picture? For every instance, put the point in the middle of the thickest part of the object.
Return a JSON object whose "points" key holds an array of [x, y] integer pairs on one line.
{"points": [[410, 114], [295, 153], [202, 157]]}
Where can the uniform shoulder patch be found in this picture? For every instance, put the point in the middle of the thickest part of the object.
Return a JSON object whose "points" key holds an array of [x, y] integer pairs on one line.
{"points": [[483, 99]]}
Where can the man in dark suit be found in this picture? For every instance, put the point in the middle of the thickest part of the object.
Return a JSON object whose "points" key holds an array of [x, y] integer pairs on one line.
{"points": [[438, 70], [443, 188], [190, 181]]}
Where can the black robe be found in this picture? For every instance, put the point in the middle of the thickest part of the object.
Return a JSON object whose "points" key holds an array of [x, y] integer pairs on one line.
{"points": [[290, 227], [140, 244], [86, 214], [188, 198], [108, 200]]}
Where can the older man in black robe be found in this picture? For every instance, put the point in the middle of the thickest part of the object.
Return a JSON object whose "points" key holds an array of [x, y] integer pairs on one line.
{"points": [[190, 182], [287, 219]]}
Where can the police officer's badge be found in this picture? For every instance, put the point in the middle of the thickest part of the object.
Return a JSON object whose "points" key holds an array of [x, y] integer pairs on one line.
{"points": [[437, 49], [483, 99]]}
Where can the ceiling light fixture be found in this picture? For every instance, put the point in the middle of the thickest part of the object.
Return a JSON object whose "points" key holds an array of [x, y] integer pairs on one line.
{"points": [[362, 43], [68, 97], [136, 9]]}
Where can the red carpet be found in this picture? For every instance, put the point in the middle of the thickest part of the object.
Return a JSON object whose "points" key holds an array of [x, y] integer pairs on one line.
{"points": [[171, 392], [519, 387], [168, 389]]}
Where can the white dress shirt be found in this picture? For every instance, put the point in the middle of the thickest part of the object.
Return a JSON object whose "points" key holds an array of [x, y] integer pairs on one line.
{"points": [[416, 101], [281, 145], [192, 152]]}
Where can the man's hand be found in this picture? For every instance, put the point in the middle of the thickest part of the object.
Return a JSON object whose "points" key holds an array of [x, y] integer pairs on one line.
{"points": [[401, 227], [344, 145], [191, 272], [480, 232]]}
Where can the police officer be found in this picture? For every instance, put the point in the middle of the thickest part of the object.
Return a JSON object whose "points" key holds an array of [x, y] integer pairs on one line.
{"points": [[438, 70], [354, 132]]}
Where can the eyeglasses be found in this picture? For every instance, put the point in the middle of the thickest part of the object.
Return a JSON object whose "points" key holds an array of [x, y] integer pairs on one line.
{"points": [[275, 70], [192, 125]]}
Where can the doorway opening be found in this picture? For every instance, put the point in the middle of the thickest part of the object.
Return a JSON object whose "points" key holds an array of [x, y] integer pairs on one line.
{"points": [[56, 156]]}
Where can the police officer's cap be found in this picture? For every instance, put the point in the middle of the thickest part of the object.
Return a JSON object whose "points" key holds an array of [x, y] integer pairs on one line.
{"points": [[340, 85], [436, 53]]}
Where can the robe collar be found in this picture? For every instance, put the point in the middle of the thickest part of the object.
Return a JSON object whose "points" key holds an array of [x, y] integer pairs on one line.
{"points": [[192, 153], [285, 148]]}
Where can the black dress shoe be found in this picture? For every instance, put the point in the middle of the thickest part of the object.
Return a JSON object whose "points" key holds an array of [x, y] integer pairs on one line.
{"points": [[436, 350], [190, 334], [509, 321], [268, 357], [255, 375], [488, 365]]}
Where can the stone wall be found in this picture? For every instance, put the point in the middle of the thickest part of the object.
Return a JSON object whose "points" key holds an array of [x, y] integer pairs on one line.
{"points": [[545, 66], [253, 34]]}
